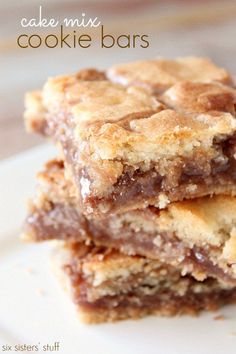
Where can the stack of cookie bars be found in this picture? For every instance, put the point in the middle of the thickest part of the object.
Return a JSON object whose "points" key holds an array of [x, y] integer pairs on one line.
{"points": [[141, 195]]}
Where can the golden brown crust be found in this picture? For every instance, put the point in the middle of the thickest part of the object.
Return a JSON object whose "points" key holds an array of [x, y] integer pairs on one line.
{"points": [[160, 74], [188, 96]]}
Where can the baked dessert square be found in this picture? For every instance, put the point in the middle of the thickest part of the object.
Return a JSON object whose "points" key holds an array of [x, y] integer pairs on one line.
{"points": [[141, 134], [196, 236], [108, 286]]}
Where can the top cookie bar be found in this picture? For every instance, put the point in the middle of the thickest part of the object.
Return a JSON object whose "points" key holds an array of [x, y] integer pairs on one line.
{"points": [[144, 133]]}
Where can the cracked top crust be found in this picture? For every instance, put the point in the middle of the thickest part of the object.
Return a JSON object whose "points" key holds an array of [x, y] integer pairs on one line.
{"points": [[109, 125], [160, 74], [188, 96]]}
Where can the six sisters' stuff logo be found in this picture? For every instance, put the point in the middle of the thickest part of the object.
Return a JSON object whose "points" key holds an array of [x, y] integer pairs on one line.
{"points": [[66, 37]]}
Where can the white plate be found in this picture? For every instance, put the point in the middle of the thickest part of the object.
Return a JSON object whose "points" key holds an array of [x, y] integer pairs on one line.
{"points": [[35, 310]]}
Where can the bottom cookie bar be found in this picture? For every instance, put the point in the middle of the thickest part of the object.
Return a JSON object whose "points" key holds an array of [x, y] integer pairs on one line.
{"points": [[108, 286]]}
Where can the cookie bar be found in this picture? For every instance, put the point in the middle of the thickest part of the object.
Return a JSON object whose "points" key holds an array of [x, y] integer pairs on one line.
{"points": [[139, 134], [108, 286], [199, 236]]}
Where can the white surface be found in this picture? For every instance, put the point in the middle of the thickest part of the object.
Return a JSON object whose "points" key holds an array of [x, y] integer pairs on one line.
{"points": [[34, 308]]}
